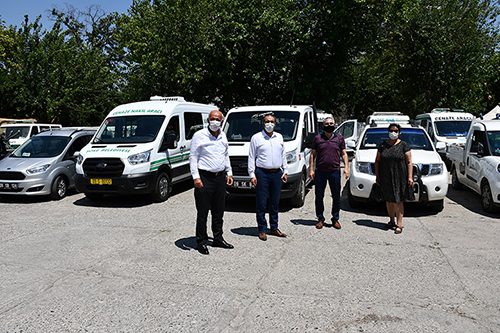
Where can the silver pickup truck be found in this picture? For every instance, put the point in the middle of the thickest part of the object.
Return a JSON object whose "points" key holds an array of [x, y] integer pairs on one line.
{"points": [[476, 164]]}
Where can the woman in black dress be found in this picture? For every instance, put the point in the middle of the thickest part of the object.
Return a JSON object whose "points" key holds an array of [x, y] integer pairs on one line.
{"points": [[394, 172]]}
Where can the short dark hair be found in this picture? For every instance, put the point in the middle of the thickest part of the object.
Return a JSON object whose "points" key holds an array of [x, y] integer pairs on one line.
{"points": [[394, 125], [269, 115]]}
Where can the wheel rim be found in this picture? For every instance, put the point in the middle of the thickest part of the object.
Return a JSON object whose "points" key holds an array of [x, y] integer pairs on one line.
{"points": [[163, 187], [61, 188], [486, 196]]}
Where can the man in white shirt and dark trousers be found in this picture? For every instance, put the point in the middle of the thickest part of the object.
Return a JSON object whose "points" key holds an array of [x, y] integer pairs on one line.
{"points": [[267, 167], [209, 164]]}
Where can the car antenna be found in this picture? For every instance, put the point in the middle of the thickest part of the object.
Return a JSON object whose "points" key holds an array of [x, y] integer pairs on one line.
{"points": [[293, 95]]}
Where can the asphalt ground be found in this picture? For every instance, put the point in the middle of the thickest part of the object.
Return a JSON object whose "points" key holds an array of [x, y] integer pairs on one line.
{"points": [[125, 264]]}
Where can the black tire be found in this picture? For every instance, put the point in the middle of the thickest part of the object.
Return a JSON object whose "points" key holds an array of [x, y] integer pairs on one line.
{"points": [[299, 198], [437, 205], [59, 188], [94, 196], [487, 198], [455, 183], [350, 198], [162, 188]]}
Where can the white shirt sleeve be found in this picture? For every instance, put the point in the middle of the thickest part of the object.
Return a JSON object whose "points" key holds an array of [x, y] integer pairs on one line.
{"points": [[251, 157], [193, 156], [284, 164], [227, 161]]}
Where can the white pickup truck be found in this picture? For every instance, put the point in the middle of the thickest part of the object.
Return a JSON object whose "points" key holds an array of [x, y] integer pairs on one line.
{"points": [[476, 164]]}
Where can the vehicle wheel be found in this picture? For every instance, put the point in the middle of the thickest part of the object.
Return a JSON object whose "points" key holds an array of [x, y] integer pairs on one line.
{"points": [[300, 197], [437, 205], [162, 188], [94, 196], [455, 183], [59, 188], [486, 198], [350, 198]]}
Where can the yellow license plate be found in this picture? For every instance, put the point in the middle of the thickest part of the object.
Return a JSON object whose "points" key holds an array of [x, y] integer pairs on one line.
{"points": [[95, 181]]}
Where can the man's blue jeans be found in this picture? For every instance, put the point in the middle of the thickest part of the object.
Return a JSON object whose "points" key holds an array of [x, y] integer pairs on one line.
{"points": [[320, 179], [268, 184]]}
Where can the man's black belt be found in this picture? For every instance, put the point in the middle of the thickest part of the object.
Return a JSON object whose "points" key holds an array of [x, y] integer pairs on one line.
{"points": [[210, 173], [269, 170]]}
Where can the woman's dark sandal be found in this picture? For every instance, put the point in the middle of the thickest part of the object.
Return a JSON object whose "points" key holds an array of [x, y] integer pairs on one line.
{"points": [[398, 230], [390, 225]]}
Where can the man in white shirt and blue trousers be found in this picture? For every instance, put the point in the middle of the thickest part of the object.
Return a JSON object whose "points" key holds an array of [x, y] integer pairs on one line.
{"points": [[209, 164], [267, 168]]}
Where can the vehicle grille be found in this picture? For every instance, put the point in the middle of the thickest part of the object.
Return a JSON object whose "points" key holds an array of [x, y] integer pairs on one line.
{"points": [[239, 164], [113, 167], [11, 175], [424, 169]]}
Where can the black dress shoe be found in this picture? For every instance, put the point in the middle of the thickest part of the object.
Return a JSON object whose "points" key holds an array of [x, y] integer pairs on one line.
{"points": [[202, 248], [223, 244]]}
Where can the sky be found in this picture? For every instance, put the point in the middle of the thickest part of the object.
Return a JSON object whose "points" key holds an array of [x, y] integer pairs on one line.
{"points": [[12, 11]]}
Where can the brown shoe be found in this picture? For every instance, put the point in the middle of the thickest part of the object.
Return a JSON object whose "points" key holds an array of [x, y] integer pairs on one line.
{"points": [[336, 224], [320, 224], [277, 232], [263, 236]]}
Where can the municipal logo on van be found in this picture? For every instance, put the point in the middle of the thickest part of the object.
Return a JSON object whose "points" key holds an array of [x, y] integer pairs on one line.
{"points": [[101, 165]]}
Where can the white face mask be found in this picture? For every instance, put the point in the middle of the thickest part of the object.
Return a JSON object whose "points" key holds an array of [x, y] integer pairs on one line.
{"points": [[214, 125], [393, 135], [269, 127]]}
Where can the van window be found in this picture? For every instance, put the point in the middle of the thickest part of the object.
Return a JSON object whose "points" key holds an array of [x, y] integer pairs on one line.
{"points": [[478, 144], [43, 128], [130, 129], [452, 128], [42, 146], [34, 131], [347, 130], [173, 127], [17, 132], [240, 126], [193, 122]]}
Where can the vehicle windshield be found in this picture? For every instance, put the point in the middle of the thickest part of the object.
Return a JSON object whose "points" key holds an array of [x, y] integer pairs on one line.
{"points": [[129, 129], [415, 137], [42, 146], [17, 132], [240, 126], [494, 141], [452, 128]]}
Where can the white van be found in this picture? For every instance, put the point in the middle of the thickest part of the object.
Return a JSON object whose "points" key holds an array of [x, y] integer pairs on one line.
{"points": [[141, 147], [297, 124], [19, 133], [446, 125]]}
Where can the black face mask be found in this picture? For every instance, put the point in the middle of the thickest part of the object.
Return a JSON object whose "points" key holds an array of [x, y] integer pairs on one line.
{"points": [[329, 129]]}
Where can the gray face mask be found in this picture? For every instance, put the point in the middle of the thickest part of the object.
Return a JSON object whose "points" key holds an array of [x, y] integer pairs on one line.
{"points": [[214, 125], [269, 127], [393, 135]]}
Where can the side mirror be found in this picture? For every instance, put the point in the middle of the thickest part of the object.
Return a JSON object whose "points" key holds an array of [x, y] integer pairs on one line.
{"points": [[351, 144], [440, 145], [309, 139], [169, 142]]}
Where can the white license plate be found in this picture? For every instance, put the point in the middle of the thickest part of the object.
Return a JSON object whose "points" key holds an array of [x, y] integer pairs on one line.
{"points": [[239, 184]]}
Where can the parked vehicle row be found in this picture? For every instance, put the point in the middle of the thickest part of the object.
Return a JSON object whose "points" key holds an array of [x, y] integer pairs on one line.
{"points": [[143, 148]]}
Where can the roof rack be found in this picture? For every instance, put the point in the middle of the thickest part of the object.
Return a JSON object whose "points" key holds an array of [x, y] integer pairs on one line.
{"points": [[168, 99]]}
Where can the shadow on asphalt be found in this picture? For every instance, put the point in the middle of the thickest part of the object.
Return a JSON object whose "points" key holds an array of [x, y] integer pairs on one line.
{"points": [[132, 200], [371, 224], [469, 200], [188, 243], [246, 231], [26, 199]]}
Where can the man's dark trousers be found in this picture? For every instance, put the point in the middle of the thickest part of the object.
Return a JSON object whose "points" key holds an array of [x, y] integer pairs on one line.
{"points": [[212, 196], [320, 180]]}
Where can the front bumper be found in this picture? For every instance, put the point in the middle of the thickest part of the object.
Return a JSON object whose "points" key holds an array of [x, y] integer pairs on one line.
{"points": [[31, 185], [288, 189], [140, 183]]}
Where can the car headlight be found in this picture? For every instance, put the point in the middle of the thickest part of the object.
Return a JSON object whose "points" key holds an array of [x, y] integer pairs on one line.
{"points": [[139, 158], [435, 169], [79, 159], [364, 167], [291, 157], [38, 169]]}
